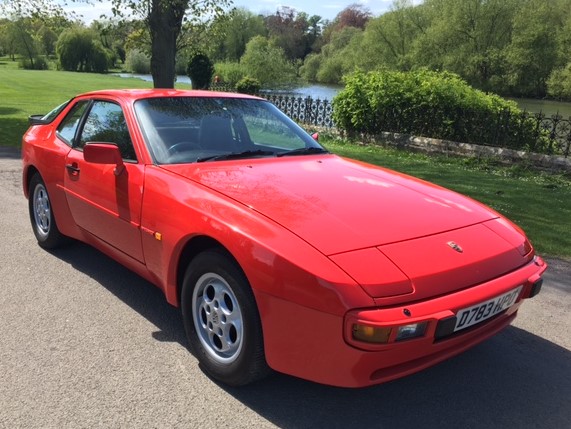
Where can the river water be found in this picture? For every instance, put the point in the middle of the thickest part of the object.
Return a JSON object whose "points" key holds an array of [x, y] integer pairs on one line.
{"points": [[327, 92], [548, 107]]}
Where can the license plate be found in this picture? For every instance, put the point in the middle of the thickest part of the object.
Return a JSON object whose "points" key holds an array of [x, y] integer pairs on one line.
{"points": [[478, 313]]}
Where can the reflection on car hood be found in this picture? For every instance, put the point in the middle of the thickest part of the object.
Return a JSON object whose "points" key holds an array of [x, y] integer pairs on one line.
{"points": [[336, 204]]}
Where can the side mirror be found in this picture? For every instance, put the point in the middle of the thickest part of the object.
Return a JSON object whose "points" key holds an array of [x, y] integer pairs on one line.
{"points": [[315, 136], [104, 153]]}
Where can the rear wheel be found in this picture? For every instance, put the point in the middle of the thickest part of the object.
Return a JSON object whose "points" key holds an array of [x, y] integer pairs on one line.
{"points": [[221, 320], [42, 216]]}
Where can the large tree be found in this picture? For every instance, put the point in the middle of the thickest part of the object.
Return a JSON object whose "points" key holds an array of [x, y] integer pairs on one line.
{"points": [[532, 54], [355, 15], [229, 34], [295, 32], [164, 20], [267, 63], [468, 37], [389, 39], [22, 32]]}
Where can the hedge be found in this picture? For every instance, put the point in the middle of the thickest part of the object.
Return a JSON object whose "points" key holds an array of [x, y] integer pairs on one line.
{"points": [[432, 104]]}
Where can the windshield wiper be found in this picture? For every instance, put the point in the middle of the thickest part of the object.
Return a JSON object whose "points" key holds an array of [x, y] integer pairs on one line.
{"points": [[303, 151], [236, 155]]}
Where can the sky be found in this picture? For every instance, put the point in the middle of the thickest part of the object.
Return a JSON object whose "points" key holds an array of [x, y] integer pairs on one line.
{"points": [[327, 9]]}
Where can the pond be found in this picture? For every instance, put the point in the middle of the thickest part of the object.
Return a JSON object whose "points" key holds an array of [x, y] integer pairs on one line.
{"points": [[322, 92], [327, 92]]}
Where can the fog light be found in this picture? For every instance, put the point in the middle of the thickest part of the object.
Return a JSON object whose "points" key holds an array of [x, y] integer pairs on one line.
{"points": [[413, 330], [371, 334]]}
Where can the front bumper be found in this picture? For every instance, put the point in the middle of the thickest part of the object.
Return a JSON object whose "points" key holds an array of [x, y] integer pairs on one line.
{"points": [[316, 346]]}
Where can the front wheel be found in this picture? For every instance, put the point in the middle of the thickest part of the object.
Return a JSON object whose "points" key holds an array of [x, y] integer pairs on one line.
{"points": [[221, 320], [42, 215]]}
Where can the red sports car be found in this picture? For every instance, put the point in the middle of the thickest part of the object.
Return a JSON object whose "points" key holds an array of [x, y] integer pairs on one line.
{"points": [[279, 254]]}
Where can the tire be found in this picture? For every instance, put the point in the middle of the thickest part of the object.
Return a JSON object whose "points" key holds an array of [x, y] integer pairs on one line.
{"points": [[42, 215], [221, 320]]}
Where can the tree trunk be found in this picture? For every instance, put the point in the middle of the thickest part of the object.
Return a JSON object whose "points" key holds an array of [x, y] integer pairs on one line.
{"points": [[165, 26], [27, 44]]}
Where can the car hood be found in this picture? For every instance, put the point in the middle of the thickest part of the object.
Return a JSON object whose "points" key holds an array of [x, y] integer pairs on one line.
{"points": [[338, 205]]}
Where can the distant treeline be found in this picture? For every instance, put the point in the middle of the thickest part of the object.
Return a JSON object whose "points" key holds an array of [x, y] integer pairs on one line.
{"points": [[510, 47]]}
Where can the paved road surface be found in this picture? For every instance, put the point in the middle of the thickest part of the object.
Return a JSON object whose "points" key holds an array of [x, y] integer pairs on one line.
{"points": [[84, 343]]}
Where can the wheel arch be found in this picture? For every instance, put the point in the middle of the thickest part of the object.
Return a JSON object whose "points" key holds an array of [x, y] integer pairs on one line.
{"points": [[28, 173], [193, 247]]}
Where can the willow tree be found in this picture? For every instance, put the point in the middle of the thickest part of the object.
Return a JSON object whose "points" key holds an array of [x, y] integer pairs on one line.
{"points": [[164, 20]]}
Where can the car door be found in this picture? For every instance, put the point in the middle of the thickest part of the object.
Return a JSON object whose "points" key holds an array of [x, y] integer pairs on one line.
{"points": [[106, 205]]}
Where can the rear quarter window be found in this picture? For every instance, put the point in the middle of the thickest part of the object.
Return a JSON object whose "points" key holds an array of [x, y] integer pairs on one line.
{"points": [[67, 129]]}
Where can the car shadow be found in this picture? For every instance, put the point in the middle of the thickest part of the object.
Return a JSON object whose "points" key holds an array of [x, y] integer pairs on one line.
{"points": [[515, 379], [142, 296], [9, 110]]}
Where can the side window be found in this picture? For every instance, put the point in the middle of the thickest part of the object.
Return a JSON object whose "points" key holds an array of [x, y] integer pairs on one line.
{"points": [[106, 123], [68, 127]]}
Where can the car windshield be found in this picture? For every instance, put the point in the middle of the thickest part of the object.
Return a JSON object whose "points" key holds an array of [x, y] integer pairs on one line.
{"points": [[200, 129]]}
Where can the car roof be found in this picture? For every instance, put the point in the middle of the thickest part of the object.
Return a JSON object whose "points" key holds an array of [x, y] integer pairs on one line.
{"points": [[136, 94]]}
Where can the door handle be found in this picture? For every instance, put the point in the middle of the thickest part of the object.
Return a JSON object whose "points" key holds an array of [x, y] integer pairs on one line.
{"points": [[73, 169]]}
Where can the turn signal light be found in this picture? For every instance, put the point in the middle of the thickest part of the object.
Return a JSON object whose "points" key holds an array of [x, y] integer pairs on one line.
{"points": [[371, 334]]}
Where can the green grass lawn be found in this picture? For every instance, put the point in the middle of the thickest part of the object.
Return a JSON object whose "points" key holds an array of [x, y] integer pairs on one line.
{"points": [[539, 203]]}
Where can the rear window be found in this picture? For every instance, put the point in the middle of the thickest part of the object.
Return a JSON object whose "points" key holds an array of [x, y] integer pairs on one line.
{"points": [[48, 117]]}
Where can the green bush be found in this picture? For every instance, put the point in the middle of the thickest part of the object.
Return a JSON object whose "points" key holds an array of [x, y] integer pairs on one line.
{"points": [[137, 62], [431, 104], [39, 63], [230, 73], [200, 70], [248, 85]]}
